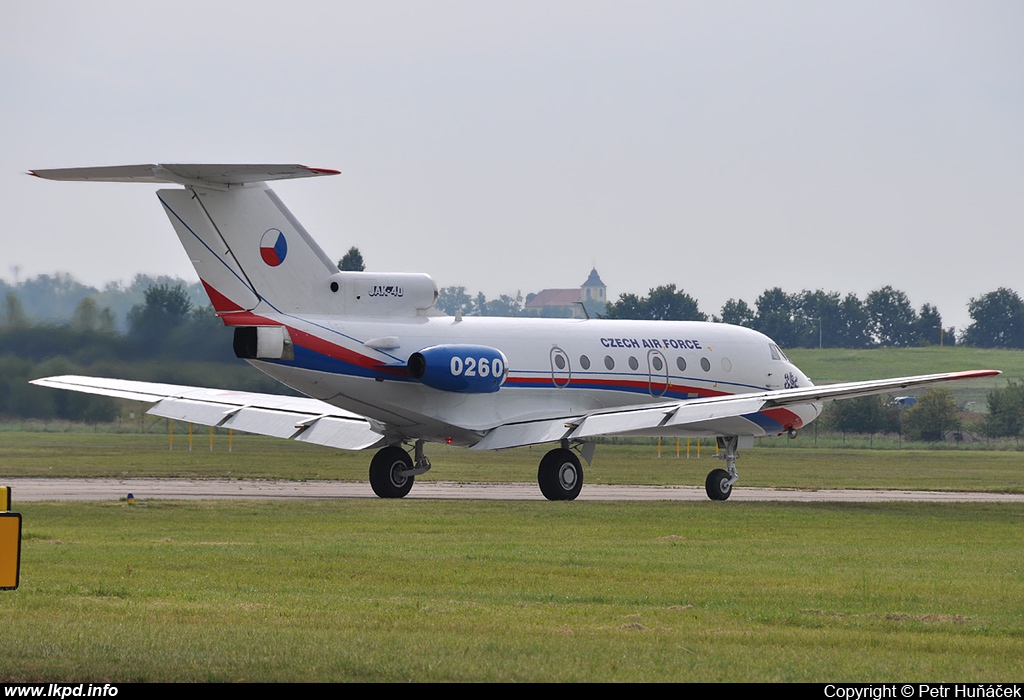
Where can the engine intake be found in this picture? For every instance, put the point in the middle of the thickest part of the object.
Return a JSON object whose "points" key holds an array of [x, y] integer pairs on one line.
{"points": [[263, 343]]}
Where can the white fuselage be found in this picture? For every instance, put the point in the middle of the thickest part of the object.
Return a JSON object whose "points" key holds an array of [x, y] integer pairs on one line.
{"points": [[556, 367]]}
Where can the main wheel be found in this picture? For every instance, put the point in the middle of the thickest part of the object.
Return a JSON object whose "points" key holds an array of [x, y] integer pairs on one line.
{"points": [[560, 475], [386, 469], [717, 485]]}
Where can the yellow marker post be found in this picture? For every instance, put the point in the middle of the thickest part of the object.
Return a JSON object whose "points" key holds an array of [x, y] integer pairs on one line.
{"points": [[189, 437], [211, 438], [170, 423], [659, 448], [10, 543]]}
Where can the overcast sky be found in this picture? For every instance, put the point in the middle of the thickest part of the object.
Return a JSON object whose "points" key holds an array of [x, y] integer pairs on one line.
{"points": [[727, 147]]}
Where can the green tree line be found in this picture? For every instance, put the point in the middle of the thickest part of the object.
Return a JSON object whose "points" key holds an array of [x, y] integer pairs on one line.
{"points": [[933, 415], [168, 339], [884, 318]]}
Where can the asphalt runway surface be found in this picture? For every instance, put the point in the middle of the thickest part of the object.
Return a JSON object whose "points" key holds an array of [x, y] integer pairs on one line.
{"points": [[256, 489]]}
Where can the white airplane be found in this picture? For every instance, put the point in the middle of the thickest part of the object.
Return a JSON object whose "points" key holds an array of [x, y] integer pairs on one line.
{"points": [[384, 369]]}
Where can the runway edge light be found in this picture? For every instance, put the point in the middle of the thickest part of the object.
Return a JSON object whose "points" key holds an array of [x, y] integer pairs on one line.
{"points": [[10, 543]]}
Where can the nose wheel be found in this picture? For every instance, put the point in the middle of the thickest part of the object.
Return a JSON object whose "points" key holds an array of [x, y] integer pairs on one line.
{"points": [[719, 483]]}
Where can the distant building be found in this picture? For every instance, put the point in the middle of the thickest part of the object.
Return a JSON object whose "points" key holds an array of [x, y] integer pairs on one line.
{"points": [[565, 303]]}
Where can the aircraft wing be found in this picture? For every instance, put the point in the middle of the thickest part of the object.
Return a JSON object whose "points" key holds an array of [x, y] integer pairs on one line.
{"points": [[300, 419], [678, 414]]}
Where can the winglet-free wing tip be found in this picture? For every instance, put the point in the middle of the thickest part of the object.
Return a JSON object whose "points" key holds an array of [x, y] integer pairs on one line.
{"points": [[980, 373]]}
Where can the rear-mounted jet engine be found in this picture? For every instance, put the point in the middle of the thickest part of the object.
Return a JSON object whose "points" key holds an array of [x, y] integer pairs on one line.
{"points": [[263, 343], [467, 369]]}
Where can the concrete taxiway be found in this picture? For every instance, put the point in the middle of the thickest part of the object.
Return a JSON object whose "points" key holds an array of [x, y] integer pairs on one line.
{"points": [[196, 489]]}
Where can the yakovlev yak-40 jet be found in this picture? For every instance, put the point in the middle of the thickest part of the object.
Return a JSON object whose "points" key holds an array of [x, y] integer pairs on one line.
{"points": [[383, 369]]}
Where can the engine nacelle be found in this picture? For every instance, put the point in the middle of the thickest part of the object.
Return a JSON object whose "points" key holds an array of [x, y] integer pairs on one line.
{"points": [[467, 369], [263, 343]]}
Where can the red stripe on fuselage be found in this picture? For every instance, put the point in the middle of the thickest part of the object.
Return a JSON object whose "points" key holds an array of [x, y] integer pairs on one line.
{"points": [[785, 417], [616, 384], [339, 352]]}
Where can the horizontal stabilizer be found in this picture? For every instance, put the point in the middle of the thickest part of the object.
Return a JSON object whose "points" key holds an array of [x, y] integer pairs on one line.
{"points": [[303, 419], [217, 176]]}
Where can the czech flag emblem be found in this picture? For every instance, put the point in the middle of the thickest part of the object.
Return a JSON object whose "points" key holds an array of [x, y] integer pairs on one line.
{"points": [[273, 247]]}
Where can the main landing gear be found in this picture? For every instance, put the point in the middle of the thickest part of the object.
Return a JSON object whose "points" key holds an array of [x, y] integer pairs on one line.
{"points": [[719, 482], [392, 471], [560, 475]]}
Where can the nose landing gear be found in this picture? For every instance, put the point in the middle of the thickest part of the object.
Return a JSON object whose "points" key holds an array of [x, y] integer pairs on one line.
{"points": [[719, 483]]}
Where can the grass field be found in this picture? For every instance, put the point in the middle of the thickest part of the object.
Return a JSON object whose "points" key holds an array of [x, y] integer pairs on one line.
{"points": [[516, 591], [369, 590]]}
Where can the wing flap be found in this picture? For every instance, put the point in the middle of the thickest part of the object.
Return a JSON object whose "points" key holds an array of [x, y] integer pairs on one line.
{"points": [[201, 412], [342, 433], [279, 424], [532, 433], [704, 410], [621, 422]]}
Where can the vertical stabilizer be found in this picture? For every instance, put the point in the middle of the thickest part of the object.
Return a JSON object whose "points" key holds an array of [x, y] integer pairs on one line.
{"points": [[246, 246], [251, 253]]}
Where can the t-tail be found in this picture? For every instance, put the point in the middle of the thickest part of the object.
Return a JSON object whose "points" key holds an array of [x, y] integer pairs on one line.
{"points": [[251, 254]]}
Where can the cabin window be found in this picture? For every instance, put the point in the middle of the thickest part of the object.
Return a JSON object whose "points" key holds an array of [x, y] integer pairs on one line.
{"points": [[657, 363], [609, 362], [681, 364], [559, 362], [584, 362], [705, 364], [727, 364], [633, 364]]}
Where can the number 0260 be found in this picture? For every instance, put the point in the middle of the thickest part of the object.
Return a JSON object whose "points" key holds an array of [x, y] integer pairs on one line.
{"points": [[474, 367]]}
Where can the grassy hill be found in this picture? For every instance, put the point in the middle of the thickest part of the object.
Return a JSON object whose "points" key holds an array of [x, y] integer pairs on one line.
{"points": [[839, 365]]}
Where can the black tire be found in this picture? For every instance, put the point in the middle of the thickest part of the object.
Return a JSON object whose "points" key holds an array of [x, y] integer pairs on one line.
{"points": [[560, 475], [385, 467], [717, 485]]}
